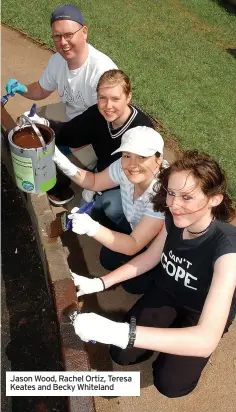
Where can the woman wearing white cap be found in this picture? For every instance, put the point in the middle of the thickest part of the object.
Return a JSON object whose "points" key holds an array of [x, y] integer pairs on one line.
{"points": [[135, 172]]}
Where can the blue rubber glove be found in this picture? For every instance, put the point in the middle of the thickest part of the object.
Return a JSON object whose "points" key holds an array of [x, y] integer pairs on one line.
{"points": [[13, 86]]}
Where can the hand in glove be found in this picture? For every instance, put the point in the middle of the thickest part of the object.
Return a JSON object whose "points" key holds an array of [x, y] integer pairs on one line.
{"points": [[93, 327], [86, 285], [13, 86], [37, 119], [87, 195], [68, 168], [83, 224]]}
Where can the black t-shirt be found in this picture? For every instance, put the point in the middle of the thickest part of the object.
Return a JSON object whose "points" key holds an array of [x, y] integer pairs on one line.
{"points": [[91, 128], [187, 266]]}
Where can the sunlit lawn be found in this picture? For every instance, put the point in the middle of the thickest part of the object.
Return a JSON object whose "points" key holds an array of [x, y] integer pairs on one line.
{"points": [[176, 55]]}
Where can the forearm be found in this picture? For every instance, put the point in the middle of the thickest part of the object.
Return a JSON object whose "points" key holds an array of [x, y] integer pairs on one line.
{"points": [[189, 341], [84, 179], [145, 231], [36, 92], [137, 266], [200, 340], [118, 242]]}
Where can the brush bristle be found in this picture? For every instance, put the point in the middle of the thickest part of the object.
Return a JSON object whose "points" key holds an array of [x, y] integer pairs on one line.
{"points": [[75, 306], [63, 222], [58, 226]]}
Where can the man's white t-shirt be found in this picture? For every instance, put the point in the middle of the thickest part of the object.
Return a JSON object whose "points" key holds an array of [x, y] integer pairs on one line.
{"points": [[76, 88]]}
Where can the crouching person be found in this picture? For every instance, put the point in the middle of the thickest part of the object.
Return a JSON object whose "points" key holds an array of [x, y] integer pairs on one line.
{"points": [[189, 304], [136, 173]]}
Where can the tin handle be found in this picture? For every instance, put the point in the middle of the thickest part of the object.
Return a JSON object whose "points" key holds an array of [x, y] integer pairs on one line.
{"points": [[36, 130]]}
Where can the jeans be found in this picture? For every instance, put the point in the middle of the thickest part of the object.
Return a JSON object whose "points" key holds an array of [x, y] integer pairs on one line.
{"points": [[109, 205]]}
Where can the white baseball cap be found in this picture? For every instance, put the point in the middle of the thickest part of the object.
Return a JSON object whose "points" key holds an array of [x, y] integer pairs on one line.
{"points": [[141, 140]]}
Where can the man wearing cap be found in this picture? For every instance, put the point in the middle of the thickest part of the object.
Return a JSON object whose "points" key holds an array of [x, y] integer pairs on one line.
{"points": [[74, 70], [136, 172]]}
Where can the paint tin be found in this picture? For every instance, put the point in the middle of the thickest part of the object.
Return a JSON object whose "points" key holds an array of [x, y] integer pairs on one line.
{"points": [[34, 168]]}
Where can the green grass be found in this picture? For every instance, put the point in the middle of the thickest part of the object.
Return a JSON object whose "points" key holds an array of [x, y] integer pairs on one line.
{"points": [[175, 53]]}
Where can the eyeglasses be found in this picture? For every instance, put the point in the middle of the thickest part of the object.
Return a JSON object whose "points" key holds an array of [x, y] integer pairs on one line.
{"points": [[67, 36]]}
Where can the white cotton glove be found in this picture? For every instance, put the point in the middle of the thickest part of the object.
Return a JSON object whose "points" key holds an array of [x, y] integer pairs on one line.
{"points": [[87, 195], [93, 327], [68, 168], [83, 224], [37, 119], [86, 285]]}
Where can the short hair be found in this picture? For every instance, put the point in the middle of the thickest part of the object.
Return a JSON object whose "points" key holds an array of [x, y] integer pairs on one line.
{"points": [[113, 78]]}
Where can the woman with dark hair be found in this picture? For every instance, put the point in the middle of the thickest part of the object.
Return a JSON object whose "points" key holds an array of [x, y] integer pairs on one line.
{"points": [[135, 173], [188, 303]]}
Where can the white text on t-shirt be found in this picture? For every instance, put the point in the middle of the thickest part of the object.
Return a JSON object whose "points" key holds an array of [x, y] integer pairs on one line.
{"points": [[174, 268]]}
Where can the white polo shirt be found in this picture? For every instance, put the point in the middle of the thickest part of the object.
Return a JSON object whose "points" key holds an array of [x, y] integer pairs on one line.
{"points": [[134, 210]]}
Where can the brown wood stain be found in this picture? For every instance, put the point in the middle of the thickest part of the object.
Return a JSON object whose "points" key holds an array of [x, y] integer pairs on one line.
{"points": [[27, 139]]}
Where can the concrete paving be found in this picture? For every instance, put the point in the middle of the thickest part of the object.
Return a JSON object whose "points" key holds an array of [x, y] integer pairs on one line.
{"points": [[216, 391]]}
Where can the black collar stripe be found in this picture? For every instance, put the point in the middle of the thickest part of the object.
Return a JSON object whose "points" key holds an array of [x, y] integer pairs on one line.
{"points": [[126, 125]]}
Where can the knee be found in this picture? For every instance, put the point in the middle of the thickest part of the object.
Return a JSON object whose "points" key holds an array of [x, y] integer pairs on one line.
{"points": [[112, 211], [169, 385], [107, 259], [116, 355], [112, 205], [166, 389], [132, 287]]}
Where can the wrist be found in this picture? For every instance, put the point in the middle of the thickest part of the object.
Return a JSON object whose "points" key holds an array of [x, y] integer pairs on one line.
{"points": [[99, 284], [71, 170], [93, 230], [103, 283], [121, 336], [132, 332], [109, 280], [64, 164]]}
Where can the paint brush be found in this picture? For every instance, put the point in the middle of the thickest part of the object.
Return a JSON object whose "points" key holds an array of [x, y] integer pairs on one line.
{"points": [[72, 311], [62, 223], [4, 99], [32, 110]]}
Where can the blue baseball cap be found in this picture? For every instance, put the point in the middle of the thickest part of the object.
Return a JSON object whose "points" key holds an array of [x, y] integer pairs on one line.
{"points": [[67, 12]]}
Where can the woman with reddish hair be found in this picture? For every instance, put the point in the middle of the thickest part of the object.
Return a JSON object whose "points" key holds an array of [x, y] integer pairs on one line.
{"points": [[189, 279]]}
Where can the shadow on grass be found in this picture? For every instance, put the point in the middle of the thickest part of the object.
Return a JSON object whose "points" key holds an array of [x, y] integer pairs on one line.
{"points": [[227, 5], [232, 52], [231, 9]]}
